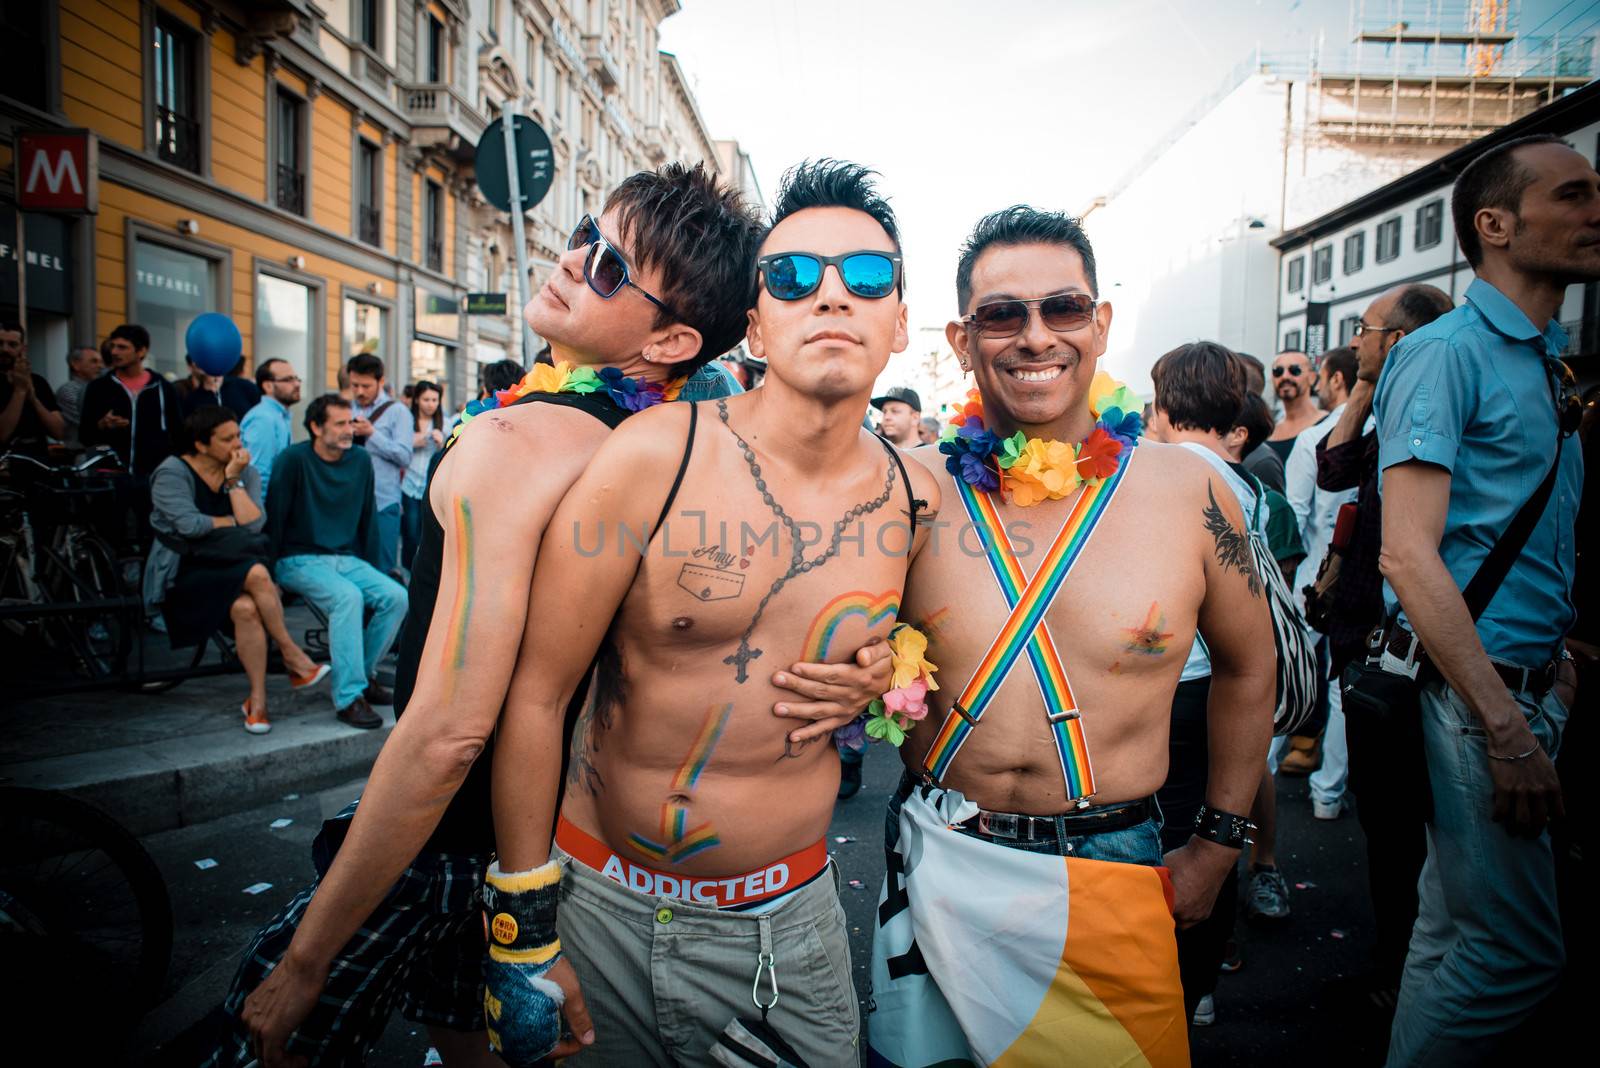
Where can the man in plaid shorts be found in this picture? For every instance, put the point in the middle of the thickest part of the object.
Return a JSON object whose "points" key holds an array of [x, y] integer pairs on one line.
{"points": [[656, 288]]}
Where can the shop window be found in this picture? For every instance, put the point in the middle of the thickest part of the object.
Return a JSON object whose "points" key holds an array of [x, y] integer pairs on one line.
{"points": [[285, 314], [170, 288]]}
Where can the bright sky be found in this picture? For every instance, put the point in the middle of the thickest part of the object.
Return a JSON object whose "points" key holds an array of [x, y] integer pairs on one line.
{"points": [[966, 106]]}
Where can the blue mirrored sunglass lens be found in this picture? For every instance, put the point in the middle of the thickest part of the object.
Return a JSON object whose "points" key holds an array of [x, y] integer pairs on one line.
{"points": [[792, 277], [582, 234], [604, 270], [869, 275]]}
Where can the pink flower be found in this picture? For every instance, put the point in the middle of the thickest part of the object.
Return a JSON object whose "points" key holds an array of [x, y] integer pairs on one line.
{"points": [[909, 700]]}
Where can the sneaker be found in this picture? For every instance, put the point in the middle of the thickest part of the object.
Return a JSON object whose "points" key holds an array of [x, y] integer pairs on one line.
{"points": [[1205, 1013], [359, 714], [849, 780], [377, 693], [310, 678], [1268, 896], [254, 724], [1232, 959], [1327, 810]]}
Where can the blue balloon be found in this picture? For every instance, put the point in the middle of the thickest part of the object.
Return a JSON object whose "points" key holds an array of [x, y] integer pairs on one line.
{"points": [[214, 343]]}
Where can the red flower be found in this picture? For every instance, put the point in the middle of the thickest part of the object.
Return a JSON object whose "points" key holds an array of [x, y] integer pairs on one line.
{"points": [[1097, 459]]}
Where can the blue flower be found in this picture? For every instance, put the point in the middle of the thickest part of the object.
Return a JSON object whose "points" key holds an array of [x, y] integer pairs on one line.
{"points": [[967, 455], [1124, 426], [852, 735], [976, 472]]}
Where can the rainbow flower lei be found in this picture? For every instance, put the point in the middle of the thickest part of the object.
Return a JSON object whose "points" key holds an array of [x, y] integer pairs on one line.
{"points": [[892, 716], [1030, 470], [633, 394]]}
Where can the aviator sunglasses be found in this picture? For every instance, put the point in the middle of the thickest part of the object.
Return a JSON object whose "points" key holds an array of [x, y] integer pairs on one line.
{"points": [[1294, 370], [604, 268], [796, 275], [1005, 318]]}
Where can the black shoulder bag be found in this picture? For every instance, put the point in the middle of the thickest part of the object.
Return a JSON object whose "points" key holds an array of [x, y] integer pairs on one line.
{"points": [[1388, 682]]}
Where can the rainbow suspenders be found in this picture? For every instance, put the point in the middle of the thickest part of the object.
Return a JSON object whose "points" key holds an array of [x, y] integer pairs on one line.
{"points": [[1025, 628]]}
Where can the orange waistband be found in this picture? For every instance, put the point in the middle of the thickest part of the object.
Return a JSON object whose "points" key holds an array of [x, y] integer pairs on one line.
{"points": [[769, 881]]}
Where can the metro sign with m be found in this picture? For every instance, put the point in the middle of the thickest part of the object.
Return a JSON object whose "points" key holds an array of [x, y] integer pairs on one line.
{"points": [[58, 170]]}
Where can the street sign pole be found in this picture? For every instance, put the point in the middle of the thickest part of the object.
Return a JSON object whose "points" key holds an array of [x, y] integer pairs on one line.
{"points": [[520, 286], [21, 249]]}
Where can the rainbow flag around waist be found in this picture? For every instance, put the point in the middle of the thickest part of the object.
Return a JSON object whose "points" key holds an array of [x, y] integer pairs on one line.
{"points": [[1025, 629]]}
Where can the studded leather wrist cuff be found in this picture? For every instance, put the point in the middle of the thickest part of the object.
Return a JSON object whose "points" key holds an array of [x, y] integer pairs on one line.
{"points": [[1223, 828]]}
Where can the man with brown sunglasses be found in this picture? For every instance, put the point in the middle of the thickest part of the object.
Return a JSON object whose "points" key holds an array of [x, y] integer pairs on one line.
{"points": [[1025, 823], [654, 288]]}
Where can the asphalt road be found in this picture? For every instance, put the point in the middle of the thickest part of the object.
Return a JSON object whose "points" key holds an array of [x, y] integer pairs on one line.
{"points": [[1271, 1012]]}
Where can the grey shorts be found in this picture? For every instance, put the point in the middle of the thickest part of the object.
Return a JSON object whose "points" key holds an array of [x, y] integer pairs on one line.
{"points": [[662, 978]]}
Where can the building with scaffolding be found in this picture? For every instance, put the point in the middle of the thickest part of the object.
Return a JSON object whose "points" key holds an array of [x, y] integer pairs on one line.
{"points": [[1184, 241]]}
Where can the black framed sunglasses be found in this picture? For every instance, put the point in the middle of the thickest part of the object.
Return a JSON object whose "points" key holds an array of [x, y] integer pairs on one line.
{"points": [[796, 275], [1006, 318], [1294, 370], [604, 268]]}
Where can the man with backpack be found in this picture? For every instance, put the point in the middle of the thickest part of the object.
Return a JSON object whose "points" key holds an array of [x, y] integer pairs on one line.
{"points": [[383, 425]]}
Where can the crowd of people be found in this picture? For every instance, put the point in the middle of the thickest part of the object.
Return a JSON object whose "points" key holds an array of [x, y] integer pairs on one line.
{"points": [[635, 645]]}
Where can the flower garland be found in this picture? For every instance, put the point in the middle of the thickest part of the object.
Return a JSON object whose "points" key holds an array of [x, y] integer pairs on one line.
{"points": [[891, 716], [1031, 470], [632, 394]]}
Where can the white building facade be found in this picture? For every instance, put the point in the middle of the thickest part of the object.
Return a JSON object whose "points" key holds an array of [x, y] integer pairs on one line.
{"points": [[1332, 267]]}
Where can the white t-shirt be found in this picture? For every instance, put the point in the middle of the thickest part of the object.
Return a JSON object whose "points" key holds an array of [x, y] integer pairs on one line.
{"points": [[1198, 666]]}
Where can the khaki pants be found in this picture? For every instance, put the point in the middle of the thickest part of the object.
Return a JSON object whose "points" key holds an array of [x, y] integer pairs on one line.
{"points": [[662, 978]]}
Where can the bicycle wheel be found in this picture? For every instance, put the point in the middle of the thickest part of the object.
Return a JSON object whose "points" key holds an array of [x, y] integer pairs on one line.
{"points": [[85, 918], [84, 569]]}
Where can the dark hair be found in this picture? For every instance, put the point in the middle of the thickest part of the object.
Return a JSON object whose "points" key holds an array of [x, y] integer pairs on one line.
{"points": [[317, 410], [264, 372], [1256, 418], [417, 390], [1200, 386], [833, 183], [1253, 370], [1341, 361], [203, 422], [1417, 306], [1493, 180], [133, 334], [11, 326], [502, 374], [1022, 225], [702, 238], [365, 363]]}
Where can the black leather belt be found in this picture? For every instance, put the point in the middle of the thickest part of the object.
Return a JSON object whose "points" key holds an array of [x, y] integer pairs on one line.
{"points": [[1535, 682], [1015, 827]]}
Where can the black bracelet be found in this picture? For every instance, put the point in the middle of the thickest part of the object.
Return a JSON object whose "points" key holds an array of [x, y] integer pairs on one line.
{"points": [[1223, 828]]}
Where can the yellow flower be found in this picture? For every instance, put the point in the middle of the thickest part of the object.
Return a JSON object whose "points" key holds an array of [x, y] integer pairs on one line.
{"points": [[1046, 470], [545, 379], [908, 649], [1102, 386]]}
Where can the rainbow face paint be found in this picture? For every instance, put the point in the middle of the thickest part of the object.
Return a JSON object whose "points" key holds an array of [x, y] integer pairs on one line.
{"points": [[678, 841], [871, 608], [455, 652], [1148, 638]]}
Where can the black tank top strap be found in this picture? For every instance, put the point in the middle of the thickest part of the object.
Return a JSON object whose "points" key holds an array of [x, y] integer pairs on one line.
{"points": [[683, 468], [917, 503]]}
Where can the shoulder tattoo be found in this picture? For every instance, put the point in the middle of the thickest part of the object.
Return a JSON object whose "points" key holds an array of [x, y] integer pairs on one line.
{"points": [[1233, 548]]}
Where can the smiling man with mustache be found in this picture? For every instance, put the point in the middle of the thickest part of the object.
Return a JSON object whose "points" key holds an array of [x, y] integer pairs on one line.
{"points": [[1028, 909]]}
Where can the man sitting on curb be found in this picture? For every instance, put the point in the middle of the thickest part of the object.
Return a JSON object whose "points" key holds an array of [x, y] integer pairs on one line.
{"points": [[324, 537]]}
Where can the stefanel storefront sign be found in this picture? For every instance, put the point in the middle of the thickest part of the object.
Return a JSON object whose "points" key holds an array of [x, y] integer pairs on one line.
{"points": [[48, 254]]}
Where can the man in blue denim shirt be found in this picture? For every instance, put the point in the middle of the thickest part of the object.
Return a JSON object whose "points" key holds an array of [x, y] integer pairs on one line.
{"points": [[1468, 427]]}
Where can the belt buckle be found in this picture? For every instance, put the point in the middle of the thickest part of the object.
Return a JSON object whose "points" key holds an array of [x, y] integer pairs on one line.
{"points": [[972, 721], [998, 825], [1062, 716]]}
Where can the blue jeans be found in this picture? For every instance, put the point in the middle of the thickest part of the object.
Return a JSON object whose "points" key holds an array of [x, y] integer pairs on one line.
{"points": [[342, 587], [410, 528], [1487, 946], [388, 537]]}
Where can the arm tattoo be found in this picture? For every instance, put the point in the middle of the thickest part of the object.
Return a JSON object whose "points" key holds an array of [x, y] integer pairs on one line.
{"points": [[1233, 548], [608, 689]]}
